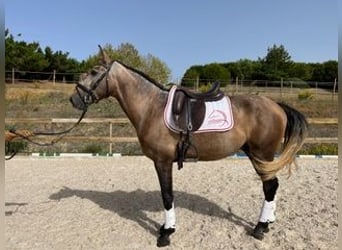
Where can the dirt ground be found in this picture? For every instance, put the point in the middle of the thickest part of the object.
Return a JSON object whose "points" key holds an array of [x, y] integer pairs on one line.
{"points": [[115, 203]]}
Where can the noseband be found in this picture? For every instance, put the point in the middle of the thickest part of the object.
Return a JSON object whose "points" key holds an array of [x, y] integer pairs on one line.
{"points": [[91, 96]]}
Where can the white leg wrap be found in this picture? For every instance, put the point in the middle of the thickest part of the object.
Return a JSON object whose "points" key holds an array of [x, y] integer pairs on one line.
{"points": [[170, 218], [267, 212]]}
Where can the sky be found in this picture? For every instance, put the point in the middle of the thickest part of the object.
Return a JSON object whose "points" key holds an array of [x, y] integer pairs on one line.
{"points": [[181, 33]]}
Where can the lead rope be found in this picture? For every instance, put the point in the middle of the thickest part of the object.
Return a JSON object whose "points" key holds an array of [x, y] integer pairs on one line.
{"points": [[11, 156], [61, 133]]}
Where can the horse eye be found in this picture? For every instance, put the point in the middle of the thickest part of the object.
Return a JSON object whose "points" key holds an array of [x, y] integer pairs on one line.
{"points": [[93, 72]]}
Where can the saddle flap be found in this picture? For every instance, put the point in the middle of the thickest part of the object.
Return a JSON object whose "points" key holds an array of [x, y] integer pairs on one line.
{"points": [[197, 114], [178, 103], [188, 113]]}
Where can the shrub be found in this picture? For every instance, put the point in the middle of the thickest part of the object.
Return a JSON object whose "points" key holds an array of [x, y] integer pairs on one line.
{"points": [[36, 85], [25, 98], [92, 148], [15, 146], [296, 83], [204, 88], [305, 95], [320, 149]]}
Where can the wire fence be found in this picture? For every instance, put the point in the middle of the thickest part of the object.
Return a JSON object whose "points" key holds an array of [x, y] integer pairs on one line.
{"points": [[16, 76], [281, 88]]}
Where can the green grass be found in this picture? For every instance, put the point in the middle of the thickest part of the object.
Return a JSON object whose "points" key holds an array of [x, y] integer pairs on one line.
{"points": [[319, 149]]}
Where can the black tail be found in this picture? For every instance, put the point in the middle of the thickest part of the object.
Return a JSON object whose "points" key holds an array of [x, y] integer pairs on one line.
{"points": [[295, 133], [297, 125]]}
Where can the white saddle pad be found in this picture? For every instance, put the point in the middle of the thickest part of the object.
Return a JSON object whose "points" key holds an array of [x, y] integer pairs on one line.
{"points": [[218, 115]]}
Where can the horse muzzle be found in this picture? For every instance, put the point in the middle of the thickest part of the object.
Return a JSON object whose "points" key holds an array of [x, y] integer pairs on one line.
{"points": [[77, 102]]}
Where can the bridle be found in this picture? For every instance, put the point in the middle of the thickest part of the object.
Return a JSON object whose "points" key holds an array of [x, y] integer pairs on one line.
{"points": [[91, 96]]}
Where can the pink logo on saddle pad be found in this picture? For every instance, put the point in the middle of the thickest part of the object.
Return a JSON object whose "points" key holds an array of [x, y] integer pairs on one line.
{"points": [[217, 118], [218, 115]]}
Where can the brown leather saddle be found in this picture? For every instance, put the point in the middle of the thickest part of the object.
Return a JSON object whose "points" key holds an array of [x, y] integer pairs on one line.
{"points": [[188, 111]]}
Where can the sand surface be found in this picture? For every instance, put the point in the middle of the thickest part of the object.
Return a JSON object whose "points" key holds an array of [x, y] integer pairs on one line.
{"points": [[115, 203]]}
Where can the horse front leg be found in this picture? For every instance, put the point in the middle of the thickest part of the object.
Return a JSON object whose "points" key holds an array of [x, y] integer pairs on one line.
{"points": [[164, 171], [267, 215]]}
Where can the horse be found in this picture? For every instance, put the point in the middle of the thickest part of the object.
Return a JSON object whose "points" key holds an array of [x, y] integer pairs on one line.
{"points": [[261, 126]]}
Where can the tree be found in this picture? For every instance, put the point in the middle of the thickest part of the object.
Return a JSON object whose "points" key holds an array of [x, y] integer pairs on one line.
{"points": [[23, 56], [152, 66], [244, 69], [215, 72], [325, 72], [129, 55], [302, 71], [30, 57], [206, 74], [191, 75], [276, 63], [61, 63]]}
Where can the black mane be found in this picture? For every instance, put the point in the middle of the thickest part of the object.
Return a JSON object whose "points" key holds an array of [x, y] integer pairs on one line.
{"points": [[144, 75]]}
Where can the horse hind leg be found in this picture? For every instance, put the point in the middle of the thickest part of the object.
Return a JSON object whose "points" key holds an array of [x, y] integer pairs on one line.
{"points": [[270, 186], [267, 214]]}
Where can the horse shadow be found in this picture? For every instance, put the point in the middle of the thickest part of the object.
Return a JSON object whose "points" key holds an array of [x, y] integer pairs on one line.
{"points": [[131, 205]]}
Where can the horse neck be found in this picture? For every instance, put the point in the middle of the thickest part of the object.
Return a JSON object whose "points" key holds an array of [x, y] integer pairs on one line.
{"points": [[136, 95]]}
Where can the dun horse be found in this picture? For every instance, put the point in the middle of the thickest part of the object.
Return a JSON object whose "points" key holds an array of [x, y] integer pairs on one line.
{"points": [[260, 126]]}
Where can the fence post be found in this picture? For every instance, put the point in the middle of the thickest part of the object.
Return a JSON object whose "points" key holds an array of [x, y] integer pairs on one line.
{"points": [[54, 77], [236, 84], [197, 83], [334, 90], [281, 88], [110, 135], [13, 75]]}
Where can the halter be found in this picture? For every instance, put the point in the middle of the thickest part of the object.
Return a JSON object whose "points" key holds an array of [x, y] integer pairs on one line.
{"points": [[91, 96]]}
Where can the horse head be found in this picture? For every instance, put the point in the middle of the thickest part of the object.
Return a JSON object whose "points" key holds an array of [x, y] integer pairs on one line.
{"points": [[93, 85]]}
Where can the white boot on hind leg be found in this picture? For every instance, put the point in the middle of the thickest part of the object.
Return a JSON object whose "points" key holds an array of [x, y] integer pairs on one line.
{"points": [[268, 211]]}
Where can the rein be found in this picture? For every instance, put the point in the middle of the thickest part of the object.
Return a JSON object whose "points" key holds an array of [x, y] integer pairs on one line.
{"points": [[11, 156], [61, 133]]}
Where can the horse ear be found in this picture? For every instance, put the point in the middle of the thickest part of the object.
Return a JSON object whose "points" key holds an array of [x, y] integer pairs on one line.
{"points": [[104, 57]]}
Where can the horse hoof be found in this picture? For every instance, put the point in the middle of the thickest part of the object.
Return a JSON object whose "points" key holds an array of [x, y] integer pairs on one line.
{"points": [[164, 236], [260, 230], [258, 234], [163, 241]]}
